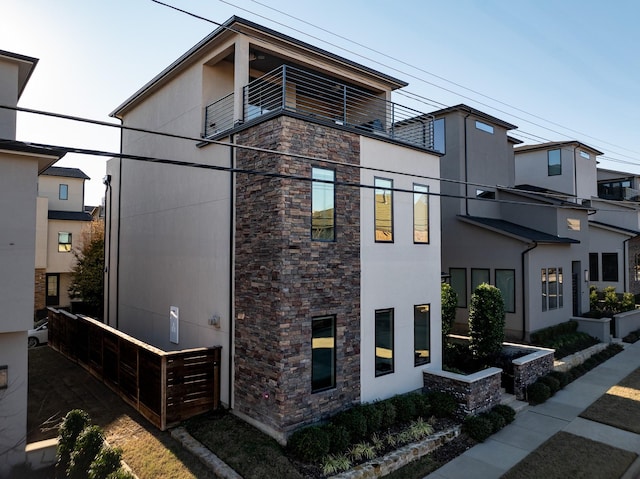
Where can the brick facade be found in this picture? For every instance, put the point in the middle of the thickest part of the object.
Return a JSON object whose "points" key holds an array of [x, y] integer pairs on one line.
{"points": [[633, 268], [40, 295], [283, 279]]}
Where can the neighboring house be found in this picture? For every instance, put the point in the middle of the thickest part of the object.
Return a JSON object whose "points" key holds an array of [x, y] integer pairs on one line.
{"points": [[316, 269], [62, 219], [20, 165], [525, 242]]}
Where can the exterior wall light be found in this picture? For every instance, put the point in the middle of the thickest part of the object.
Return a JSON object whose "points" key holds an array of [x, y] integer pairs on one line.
{"points": [[4, 377]]}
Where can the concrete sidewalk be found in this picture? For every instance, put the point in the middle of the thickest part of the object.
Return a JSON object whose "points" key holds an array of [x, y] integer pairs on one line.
{"points": [[533, 426]]}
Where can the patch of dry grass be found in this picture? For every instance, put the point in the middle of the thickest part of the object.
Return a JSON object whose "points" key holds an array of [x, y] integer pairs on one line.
{"points": [[620, 406], [566, 455]]}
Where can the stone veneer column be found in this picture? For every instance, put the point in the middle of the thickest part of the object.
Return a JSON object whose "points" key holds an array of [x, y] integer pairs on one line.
{"points": [[283, 279], [39, 300]]}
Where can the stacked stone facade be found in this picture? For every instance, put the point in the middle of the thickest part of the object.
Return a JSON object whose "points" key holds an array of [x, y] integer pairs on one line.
{"points": [[634, 266], [40, 294], [283, 279]]}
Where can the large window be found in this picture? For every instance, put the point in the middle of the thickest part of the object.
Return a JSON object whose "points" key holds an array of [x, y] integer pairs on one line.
{"points": [[552, 288], [421, 334], [383, 210], [458, 278], [384, 341], [614, 190], [420, 214], [637, 267], [609, 266], [506, 283], [594, 270], [478, 276], [63, 192], [64, 242], [323, 205], [554, 163], [439, 141], [323, 353]]}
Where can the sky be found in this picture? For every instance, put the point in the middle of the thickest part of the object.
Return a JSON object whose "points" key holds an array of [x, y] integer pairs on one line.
{"points": [[559, 70]]}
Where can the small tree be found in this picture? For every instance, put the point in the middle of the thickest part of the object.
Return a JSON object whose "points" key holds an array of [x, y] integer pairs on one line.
{"points": [[486, 323], [87, 281], [72, 425], [449, 300]]}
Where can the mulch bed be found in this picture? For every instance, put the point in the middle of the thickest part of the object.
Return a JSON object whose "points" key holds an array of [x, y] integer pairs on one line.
{"points": [[566, 455], [620, 406]]}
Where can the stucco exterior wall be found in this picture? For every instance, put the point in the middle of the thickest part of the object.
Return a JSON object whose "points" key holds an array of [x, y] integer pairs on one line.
{"points": [[48, 187], [401, 274], [531, 167], [8, 96], [603, 240]]}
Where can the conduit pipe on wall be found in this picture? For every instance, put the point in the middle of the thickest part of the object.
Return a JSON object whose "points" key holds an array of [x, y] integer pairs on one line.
{"points": [[524, 289], [232, 176]]}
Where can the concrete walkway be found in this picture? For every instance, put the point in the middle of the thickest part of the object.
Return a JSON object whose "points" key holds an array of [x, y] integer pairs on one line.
{"points": [[534, 425]]}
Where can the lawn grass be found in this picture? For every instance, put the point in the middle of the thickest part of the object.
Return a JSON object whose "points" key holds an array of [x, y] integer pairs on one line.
{"points": [[249, 452], [620, 406], [566, 455]]}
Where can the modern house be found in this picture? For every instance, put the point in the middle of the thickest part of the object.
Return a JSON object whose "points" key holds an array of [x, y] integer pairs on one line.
{"points": [[62, 219], [20, 165], [291, 216], [520, 238]]}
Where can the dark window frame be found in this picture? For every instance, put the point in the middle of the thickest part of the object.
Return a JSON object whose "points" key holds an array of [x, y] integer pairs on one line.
{"points": [[65, 247], [462, 297], [388, 189], [426, 194], [314, 183], [554, 169], [390, 369], [594, 267], [610, 270], [512, 292], [63, 191], [332, 384], [419, 360]]}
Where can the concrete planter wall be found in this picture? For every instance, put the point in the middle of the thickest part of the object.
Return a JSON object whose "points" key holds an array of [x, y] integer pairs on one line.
{"points": [[597, 327], [475, 393], [625, 323]]}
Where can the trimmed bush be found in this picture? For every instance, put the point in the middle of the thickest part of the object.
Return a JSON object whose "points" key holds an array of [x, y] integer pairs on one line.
{"points": [[373, 415], [423, 408], [497, 420], [106, 462], [538, 392], [477, 427], [448, 309], [388, 414], [310, 444], [87, 447], [442, 404], [72, 425], [405, 408], [338, 438], [486, 323], [561, 376], [354, 422], [552, 383], [507, 412]]}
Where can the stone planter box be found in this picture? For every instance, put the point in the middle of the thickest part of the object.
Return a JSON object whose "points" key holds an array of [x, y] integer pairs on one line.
{"points": [[527, 369], [568, 362], [475, 393]]}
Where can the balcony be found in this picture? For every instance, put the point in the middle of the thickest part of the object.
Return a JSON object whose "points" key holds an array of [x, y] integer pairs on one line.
{"points": [[321, 99]]}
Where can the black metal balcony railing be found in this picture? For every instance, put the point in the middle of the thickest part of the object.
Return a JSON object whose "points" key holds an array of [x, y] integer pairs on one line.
{"points": [[291, 89]]}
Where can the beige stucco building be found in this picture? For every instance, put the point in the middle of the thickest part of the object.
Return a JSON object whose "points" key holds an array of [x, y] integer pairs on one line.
{"points": [[20, 165]]}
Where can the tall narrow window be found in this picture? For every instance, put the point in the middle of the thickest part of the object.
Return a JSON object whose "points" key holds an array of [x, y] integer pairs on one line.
{"points": [[63, 192], [609, 266], [637, 267], [459, 284], [323, 353], [552, 288], [439, 142], [421, 334], [420, 214], [64, 242], [554, 163], [323, 205], [478, 276], [384, 210], [384, 341], [594, 273], [544, 289], [506, 283], [552, 282]]}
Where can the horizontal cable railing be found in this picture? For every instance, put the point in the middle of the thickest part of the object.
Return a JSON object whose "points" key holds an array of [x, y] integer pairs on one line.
{"points": [[218, 116], [315, 96]]}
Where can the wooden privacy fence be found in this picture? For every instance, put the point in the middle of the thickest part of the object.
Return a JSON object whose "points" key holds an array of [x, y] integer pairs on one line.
{"points": [[166, 387]]}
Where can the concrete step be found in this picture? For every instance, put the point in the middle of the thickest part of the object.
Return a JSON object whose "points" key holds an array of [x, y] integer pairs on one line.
{"points": [[510, 400]]}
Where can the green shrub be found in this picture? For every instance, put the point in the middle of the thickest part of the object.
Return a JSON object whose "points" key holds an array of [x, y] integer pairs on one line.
{"points": [[310, 444], [546, 335], [373, 416], [591, 363], [561, 376], [106, 462], [354, 422], [423, 408], [552, 383], [388, 414], [449, 304], [338, 438], [405, 408], [507, 412], [121, 474], [87, 447], [497, 420], [486, 323], [442, 404], [70, 428], [477, 427], [538, 392]]}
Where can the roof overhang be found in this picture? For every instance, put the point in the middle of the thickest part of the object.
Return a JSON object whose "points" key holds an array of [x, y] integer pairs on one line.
{"points": [[26, 65], [557, 144], [517, 232], [45, 156]]}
